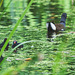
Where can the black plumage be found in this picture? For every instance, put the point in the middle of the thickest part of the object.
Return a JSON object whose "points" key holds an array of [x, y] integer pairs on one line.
{"points": [[15, 44], [1, 45], [55, 28], [1, 58]]}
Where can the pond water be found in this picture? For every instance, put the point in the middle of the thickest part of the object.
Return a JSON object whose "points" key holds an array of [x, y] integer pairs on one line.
{"points": [[34, 22], [33, 25]]}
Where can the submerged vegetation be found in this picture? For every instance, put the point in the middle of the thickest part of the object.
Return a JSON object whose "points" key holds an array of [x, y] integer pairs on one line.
{"points": [[38, 55]]}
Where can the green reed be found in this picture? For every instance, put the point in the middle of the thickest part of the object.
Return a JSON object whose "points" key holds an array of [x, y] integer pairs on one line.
{"points": [[18, 22], [5, 9]]}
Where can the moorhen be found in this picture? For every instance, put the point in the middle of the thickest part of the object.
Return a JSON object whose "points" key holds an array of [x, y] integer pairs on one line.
{"points": [[15, 44], [1, 58], [1, 45], [53, 29]]}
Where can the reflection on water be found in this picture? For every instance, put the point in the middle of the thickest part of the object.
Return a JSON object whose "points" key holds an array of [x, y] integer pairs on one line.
{"points": [[36, 18], [33, 27]]}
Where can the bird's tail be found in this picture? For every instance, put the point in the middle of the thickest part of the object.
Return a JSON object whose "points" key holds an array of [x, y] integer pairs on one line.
{"points": [[63, 18]]}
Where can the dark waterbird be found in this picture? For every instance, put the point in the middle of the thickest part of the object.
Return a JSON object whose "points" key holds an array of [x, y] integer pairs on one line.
{"points": [[1, 58], [1, 45], [53, 29], [15, 44]]}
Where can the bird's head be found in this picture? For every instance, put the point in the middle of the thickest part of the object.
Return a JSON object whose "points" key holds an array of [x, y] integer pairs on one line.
{"points": [[14, 42]]}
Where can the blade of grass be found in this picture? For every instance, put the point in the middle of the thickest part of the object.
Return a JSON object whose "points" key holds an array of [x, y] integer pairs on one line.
{"points": [[18, 22], [1, 3], [20, 45], [5, 9], [12, 70]]}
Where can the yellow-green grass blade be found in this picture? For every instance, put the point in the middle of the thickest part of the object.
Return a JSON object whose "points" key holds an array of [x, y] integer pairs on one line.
{"points": [[18, 22]]}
